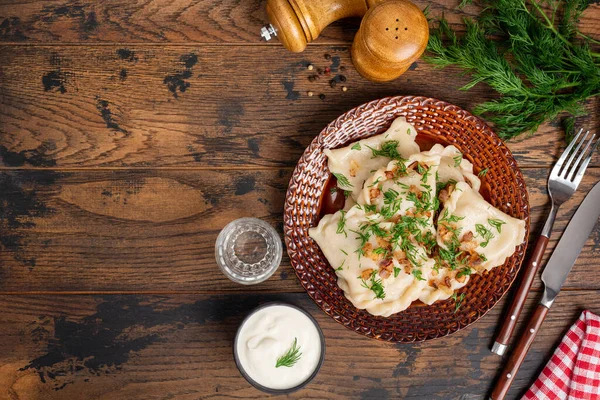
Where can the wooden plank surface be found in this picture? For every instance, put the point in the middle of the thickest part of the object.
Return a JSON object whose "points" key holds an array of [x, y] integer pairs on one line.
{"points": [[176, 21], [155, 231], [199, 106], [131, 133], [158, 347]]}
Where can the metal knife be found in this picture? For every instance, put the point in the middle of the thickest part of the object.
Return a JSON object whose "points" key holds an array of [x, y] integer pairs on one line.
{"points": [[554, 276]]}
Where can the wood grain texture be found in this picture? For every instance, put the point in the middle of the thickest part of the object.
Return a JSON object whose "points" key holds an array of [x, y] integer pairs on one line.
{"points": [[158, 347], [131, 133], [199, 106], [155, 230], [175, 21]]}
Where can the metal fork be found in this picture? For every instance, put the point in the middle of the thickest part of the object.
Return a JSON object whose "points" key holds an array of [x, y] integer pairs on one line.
{"points": [[562, 183]]}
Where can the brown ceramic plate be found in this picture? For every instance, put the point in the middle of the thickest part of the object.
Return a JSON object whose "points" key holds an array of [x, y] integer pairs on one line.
{"points": [[435, 121]]}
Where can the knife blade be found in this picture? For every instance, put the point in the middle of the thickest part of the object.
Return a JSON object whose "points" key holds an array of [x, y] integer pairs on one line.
{"points": [[572, 241]]}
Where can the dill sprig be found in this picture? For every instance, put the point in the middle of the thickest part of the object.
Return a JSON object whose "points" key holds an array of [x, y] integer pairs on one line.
{"points": [[342, 180], [388, 149], [375, 285], [458, 301], [538, 61], [291, 357], [485, 234], [341, 226], [496, 223]]}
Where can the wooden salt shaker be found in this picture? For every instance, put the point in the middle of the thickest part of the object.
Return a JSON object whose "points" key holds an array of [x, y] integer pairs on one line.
{"points": [[391, 37]]}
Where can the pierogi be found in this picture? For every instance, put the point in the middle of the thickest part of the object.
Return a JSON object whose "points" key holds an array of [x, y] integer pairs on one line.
{"points": [[414, 226]]}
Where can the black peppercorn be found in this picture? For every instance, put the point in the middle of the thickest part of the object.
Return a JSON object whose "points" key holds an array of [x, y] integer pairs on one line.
{"points": [[342, 68], [332, 83], [322, 96], [328, 56], [342, 78]]}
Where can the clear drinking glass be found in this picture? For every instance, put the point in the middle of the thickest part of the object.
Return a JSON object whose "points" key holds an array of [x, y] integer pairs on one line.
{"points": [[248, 251]]}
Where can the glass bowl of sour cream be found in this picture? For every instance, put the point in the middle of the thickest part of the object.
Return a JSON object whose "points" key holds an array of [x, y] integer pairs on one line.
{"points": [[279, 348]]}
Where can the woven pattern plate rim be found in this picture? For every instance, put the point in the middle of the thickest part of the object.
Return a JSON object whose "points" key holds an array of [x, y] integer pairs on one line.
{"points": [[446, 124]]}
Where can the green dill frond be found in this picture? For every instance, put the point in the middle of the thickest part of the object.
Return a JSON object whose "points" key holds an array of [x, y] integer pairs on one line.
{"points": [[536, 60], [291, 357]]}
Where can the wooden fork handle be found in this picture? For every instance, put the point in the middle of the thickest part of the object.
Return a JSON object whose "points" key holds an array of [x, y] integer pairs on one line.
{"points": [[512, 316], [517, 357]]}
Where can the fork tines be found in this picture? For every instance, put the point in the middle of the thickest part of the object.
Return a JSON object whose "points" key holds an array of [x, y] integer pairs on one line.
{"points": [[573, 171]]}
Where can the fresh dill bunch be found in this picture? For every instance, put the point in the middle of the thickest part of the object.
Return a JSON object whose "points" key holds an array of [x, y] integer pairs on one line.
{"points": [[538, 61]]}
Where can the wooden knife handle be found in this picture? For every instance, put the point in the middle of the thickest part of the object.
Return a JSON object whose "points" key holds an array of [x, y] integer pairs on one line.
{"points": [[517, 357], [512, 316]]}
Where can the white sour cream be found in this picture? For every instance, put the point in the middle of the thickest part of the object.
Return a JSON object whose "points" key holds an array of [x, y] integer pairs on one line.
{"points": [[267, 335]]}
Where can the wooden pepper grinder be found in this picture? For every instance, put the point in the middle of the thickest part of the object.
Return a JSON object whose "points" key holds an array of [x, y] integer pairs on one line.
{"points": [[392, 35]]}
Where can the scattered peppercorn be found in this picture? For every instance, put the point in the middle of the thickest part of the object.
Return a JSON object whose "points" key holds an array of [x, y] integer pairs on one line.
{"points": [[342, 78], [342, 68], [322, 96], [310, 67], [328, 56], [332, 83], [344, 89], [309, 93], [319, 71]]}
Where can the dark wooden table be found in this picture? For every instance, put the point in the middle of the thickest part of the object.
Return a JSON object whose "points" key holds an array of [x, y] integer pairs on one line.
{"points": [[130, 134]]}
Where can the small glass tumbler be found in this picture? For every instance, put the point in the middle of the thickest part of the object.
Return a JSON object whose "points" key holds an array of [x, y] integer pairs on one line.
{"points": [[248, 251]]}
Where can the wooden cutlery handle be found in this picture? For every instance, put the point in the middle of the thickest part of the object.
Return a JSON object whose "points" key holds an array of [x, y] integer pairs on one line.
{"points": [[512, 316], [517, 357]]}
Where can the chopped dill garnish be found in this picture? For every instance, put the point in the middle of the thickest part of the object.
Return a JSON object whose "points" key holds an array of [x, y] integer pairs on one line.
{"points": [[376, 286], [458, 301], [341, 266], [342, 180], [451, 255], [390, 196], [356, 146], [382, 251], [485, 233], [464, 272], [375, 182], [418, 274], [291, 357], [457, 160], [440, 185], [396, 272], [425, 173], [343, 251], [341, 226], [370, 208], [388, 149], [392, 203], [347, 193], [401, 168], [483, 172], [364, 238], [402, 233], [496, 223], [449, 218], [374, 229]]}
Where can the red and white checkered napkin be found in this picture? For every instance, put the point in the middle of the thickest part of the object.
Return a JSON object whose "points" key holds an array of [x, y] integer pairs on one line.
{"points": [[573, 372]]}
